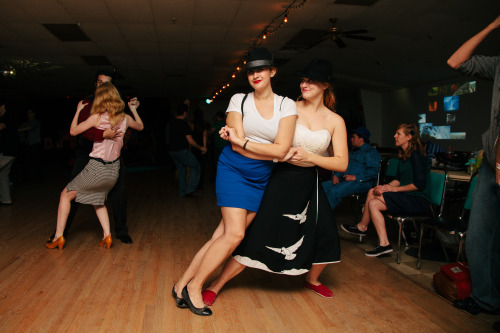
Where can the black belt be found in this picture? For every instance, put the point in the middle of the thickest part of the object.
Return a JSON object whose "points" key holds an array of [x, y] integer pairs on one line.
{"points": [[103, 161]]}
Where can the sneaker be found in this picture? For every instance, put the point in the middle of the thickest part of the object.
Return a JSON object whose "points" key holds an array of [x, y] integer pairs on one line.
{"points": [[353, 229], [379, 250], [468, 304]]}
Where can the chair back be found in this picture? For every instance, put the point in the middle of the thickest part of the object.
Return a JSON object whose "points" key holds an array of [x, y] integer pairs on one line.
{"points": [[435, 188], [392, 167], [472, 185]]}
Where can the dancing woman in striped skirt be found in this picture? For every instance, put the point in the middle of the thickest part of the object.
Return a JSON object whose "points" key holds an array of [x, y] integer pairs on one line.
{"points": [[92, 185]]}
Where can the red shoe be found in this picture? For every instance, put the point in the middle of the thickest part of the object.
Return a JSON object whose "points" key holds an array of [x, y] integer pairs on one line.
{"points": [[321, 290], [208, 297]]}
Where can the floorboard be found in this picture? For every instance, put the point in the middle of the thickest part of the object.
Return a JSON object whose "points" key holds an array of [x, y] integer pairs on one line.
{"points": [[85, 288]]}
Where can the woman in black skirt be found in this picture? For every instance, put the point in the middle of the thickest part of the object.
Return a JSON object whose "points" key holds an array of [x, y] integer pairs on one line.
{"points": [[294, 231], [402, 195]]}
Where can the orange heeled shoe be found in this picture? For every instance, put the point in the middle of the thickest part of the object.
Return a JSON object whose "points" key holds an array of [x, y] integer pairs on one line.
{"points": [[106, 242], [58, 243]]}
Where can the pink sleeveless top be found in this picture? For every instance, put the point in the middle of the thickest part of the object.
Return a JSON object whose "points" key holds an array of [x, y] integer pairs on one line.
{"points": [[109, 150]]}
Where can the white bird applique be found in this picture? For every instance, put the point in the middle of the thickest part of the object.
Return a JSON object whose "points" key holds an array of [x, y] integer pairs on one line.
{"points": [[288, 252], [299, 217]]}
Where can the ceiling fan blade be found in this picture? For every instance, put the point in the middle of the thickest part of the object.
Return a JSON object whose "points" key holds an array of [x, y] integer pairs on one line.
{"points": [[318, 42], [367, 38], [360, 31], [340, 43]]}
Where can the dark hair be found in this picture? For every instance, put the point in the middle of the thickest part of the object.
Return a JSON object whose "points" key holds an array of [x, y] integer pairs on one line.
{"points": [[105, 72], [414, 144], [181, 109]]}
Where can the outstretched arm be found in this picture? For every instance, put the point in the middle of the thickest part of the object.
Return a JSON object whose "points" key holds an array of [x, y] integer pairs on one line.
{"points": [[78, 128], [136, 122], [465, 51]]}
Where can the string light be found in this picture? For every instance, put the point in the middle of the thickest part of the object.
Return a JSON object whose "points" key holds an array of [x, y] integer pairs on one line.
{"points": [[279, 21]]}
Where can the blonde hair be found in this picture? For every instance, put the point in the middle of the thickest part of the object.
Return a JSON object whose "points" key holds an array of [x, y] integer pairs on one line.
{"points": [[107, 99], [414, 144]]}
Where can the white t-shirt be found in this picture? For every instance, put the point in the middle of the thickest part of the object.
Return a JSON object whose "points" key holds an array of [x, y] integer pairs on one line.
{"points": [[258, 129]]}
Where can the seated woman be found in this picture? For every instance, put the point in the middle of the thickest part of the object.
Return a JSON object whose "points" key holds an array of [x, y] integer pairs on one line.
{"points": [[402, 195]]}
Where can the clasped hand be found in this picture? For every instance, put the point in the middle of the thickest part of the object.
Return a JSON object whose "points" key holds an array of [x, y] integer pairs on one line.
{"points": [[378, 190]]}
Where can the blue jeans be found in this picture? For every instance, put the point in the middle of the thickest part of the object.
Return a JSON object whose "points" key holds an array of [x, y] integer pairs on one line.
{"points": [[183, 159], [335, 193], [483, 240]]}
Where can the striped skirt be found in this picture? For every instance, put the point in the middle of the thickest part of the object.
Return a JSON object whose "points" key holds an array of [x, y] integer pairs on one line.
{"points": [[94, 182]]}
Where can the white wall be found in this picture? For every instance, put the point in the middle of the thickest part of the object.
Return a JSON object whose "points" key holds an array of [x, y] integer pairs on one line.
{"points": [[372, 106]]}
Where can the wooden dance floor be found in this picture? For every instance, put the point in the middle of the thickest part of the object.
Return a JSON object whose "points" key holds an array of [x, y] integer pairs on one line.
{"points": [[85, 288]]}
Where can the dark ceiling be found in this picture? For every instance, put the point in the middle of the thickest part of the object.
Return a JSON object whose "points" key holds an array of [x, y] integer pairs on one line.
{"points": [[191, 48]]}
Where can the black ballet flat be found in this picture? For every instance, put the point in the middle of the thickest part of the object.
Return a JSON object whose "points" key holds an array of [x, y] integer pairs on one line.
{"points": [[180, 302], [205, 311]]}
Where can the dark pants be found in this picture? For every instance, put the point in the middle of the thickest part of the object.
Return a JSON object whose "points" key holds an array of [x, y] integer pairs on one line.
{"points": [[116, 197]]}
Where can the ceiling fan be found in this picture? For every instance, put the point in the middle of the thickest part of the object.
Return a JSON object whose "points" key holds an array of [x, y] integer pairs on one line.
{"points": [[336, 34]]}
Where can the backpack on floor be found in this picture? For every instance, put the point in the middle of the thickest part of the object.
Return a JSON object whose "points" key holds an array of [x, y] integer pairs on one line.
{"points": [[453, 281]]}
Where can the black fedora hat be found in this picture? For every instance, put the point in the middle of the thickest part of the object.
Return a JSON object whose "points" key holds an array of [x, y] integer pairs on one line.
{"points": [[258, 58], [318, 70]]}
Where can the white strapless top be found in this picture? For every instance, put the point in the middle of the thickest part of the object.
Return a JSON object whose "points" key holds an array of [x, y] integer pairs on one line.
{"points": [[315, 142]]}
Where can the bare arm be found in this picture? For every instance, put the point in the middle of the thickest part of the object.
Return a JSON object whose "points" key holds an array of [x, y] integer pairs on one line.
{"points": [[193, 143], [76, 128], [340, 158], [278, 149], [464, 52], [136, 122]]}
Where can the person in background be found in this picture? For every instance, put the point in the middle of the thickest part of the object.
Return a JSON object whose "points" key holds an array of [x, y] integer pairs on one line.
{"points": [[92, 185], [200, 135], [260, 127], [33, 154], [294, 231], [431, 148], [403, 194], [218, 142], [483, 233], [84, 144], [9, 149], [361, 174], [180, 137]]}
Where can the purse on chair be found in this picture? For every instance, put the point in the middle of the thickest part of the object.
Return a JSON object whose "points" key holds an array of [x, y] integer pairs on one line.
{"points": [[453, 281]]}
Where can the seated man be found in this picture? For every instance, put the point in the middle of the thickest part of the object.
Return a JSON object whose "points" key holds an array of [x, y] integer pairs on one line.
{"points": [[361, 174]]}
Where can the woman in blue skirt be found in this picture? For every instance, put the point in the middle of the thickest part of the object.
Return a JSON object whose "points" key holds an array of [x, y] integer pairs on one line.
{"points": [[294, 231], [260, 127]]}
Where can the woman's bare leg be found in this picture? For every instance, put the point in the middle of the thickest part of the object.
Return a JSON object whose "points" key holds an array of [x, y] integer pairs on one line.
{"points": [[376, 207], [231, 269], [365, 218], [235, 222], [313, 276], [63, 211], [102, 215], [195, 263]]}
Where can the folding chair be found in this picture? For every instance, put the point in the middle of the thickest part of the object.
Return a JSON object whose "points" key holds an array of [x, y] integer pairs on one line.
{"points": [[435, 189], [361, 197], [452, 226]]}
